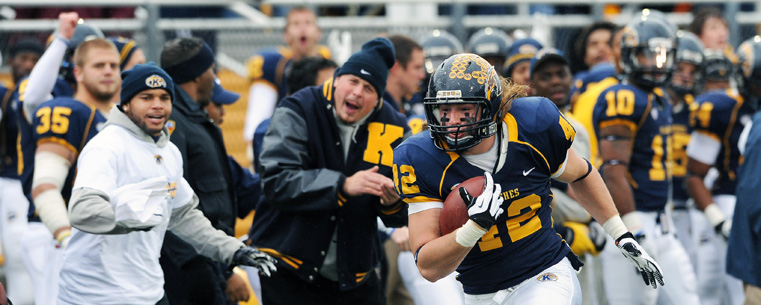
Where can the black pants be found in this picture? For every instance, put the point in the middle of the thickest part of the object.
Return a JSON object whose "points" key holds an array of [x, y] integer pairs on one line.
{"points": [[286, 288], [197, 282], [163, 301]]}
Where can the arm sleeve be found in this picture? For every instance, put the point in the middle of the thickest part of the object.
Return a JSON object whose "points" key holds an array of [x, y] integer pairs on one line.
{"points": [[193, 227], [43, 77], [286, 184], [262, 98], [247, 187], [90, 210]]}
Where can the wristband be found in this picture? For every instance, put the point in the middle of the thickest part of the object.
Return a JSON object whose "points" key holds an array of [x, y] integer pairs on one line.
{"points": [[469, 234], [62, 235], [63, 39], [615, 227], [714, 214], [632, 222]]}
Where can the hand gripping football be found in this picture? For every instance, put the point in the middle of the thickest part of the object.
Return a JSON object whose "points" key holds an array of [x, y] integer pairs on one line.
{"points": [[455, 211]]}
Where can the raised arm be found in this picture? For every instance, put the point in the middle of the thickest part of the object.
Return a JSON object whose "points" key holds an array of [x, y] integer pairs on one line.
{"points": [[45, 72]]}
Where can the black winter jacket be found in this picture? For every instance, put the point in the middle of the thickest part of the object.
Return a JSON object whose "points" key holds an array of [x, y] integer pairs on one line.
{"points": [[303, 172]]}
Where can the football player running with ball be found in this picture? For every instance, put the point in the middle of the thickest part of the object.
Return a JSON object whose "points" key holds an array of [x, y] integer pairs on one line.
{"points": [[477, 126]]}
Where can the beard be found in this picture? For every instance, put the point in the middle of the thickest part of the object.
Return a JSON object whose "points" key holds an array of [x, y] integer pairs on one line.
{"points": [[101, 93], [144, 126]]}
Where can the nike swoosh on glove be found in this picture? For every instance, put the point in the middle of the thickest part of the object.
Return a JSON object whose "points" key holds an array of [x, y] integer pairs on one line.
{"points": [[647, 267], [255, 258]]}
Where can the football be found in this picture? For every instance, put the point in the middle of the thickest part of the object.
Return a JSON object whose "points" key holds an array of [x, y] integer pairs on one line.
{"points": [[455, 211]]}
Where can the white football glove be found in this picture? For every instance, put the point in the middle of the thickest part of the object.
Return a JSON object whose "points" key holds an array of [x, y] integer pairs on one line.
{"points": [[486, 208], [649, 269]]}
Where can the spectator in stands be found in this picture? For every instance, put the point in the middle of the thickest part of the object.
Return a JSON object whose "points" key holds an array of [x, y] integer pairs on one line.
{"points": [[23, 56], [519, 58], [405, 76], [709, 24], [305, 72], [266, 68], [592, 47]]}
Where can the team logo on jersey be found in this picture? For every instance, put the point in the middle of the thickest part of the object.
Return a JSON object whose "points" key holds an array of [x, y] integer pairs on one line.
{"points": [[654, 113], [547, 277], [155, 81], [158, 159], [170, 125]]}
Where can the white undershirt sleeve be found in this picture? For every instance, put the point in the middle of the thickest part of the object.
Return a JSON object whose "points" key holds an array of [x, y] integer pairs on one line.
{"points": [[262, 99], [703, 148], [562, 167], [417, 207], [744, 138]]}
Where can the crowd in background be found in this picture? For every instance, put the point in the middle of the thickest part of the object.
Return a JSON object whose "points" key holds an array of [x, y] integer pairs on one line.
{"points": [[663, 113]]}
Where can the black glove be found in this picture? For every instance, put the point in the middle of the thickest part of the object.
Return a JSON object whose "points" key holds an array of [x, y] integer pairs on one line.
{"points": [[255, 258], [486, 208], [723, 228]]}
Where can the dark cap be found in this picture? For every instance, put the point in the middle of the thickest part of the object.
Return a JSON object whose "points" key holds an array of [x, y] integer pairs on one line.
{"points": [[222, 96], [522, 50], [27, 45], [547, 55], [144, 77], [371, 63]]}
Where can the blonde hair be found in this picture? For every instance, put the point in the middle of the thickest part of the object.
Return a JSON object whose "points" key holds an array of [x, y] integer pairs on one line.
{"points": [[510, 92], [83, 50]]}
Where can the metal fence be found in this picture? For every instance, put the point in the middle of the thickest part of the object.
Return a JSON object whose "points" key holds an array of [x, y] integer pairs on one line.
{"points": [[238, 37]]}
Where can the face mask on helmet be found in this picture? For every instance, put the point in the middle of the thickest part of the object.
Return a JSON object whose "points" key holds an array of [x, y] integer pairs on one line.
{"points": [[749, 58], [718, 67], [463, 100], [652, 64], [648, 49], [689, 72]]}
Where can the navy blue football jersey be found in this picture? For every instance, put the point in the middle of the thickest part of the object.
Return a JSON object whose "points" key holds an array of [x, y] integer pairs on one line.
{"points": [[680, 139], [722, 115], [65, 121], [522, 241], [648, 115], [269, 66], [583, 79]]}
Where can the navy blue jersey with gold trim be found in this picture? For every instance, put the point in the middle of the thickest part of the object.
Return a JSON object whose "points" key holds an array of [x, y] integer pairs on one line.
{"points": [[15, 120], [269, 66], [722, 116], [523, 241], [65, 121], [648, 115], [583, 79], [681, 138]]}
